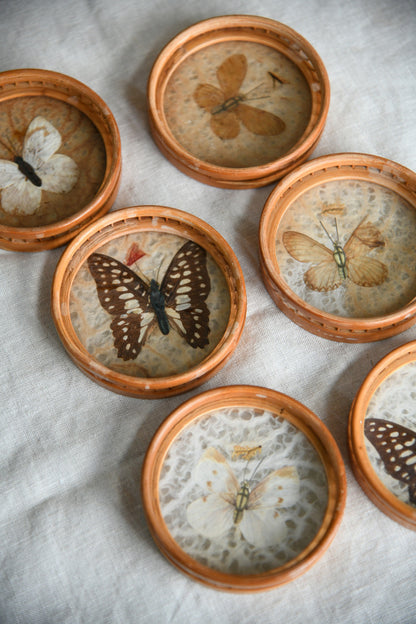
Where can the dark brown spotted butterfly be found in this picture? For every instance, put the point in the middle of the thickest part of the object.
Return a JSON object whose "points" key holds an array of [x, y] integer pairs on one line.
{"points": [[178, 302], [396, 446]]}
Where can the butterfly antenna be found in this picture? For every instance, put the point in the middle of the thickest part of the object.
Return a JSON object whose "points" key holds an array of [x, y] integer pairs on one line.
{"points": [[141, 274], [327, 233], [260, 96], [158, 271], [256, 468], [336, 229]]}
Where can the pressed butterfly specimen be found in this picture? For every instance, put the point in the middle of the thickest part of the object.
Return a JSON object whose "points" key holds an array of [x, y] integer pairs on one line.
{"points": [[396, 446], [332, 267], [38, 169], [137, 307], [229, 503], [227, 105]]}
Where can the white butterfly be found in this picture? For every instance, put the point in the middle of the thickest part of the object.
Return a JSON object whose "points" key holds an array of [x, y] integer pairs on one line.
{"points": [[38, 169], [230, 503]]}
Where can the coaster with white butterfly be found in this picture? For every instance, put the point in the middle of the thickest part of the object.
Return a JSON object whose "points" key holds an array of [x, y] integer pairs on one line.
{"points": [[382, 435], [151, 312], [243, 488], [59, 158], [337, 252]]}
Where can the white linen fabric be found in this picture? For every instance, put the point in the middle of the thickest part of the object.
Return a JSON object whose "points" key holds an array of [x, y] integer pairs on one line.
{"points": [[74, 544]]}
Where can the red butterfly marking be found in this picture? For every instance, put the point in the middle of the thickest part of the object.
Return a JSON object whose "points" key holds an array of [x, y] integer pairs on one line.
{"points": [[134, 254]]}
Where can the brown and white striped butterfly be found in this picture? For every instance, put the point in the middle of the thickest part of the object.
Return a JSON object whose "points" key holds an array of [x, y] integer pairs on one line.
{"points": [[332, 267], [227, 105], [396, 446], [137, 307]]}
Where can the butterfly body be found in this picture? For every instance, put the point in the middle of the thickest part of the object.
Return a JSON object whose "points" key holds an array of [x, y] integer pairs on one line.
{"points": [[158, 303], [136, 307], [241, 502], [28, 171], [228, 105], [340, 260]]}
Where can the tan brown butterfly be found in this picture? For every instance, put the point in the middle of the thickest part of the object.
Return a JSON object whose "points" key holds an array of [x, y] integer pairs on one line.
{"points": [[227, 105], [396, 446], [332, 267]]}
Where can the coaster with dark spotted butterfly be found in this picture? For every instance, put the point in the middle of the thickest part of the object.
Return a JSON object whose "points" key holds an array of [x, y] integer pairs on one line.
{"points": [[179, 302], [396, 446]]}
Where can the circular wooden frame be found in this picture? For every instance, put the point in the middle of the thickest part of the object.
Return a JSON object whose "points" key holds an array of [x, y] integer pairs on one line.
{"points": [[137, 219], [318, 171], [258, 398], [363, 469], [40, 82], [239, 28]]}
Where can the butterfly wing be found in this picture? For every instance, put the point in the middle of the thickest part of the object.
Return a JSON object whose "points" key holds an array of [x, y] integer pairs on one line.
{"points": [[262, 525], [213, 514], [259, 121], [207, 97], [59, 174], [366, 271], [214, 474], [9, 173], [225, 124], [185, 286], [396, 446], [231, 73], [21, 197], [322, 277], [40, 142], [279, 489], [306, 249], [210, 516], [125, 296], [365, 236]]}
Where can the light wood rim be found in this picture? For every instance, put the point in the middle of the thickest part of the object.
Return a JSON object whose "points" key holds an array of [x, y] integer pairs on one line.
{"points": [[33, 82], [139, 218], [262, 398], [364, 472], [247, 28], [332, 167]]}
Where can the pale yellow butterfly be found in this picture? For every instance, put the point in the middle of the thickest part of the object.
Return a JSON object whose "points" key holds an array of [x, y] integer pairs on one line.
{"points": [[227, 503]]}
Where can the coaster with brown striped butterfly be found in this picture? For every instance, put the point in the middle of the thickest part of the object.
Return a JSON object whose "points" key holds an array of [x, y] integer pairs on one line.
{"points": [[137, 307], [396, 446]]}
